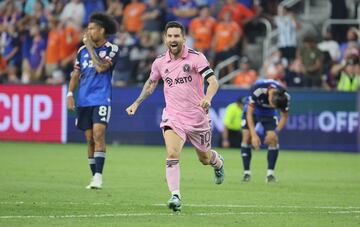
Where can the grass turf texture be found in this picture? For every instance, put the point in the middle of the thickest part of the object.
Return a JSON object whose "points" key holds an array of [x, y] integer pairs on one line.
{"points": [[44, 185]]}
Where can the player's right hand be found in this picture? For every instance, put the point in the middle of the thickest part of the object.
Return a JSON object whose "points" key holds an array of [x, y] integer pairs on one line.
{"points": [[132, 109], [255, 141], [70, 103]]}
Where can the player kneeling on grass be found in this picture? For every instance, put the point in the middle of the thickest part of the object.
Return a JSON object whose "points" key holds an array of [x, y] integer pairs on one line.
{"points": [[92, 73], [185, 116], [266, 96]]}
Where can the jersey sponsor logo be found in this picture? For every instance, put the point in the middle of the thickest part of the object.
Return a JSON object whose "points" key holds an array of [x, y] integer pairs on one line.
{"points": [[169, 81], [186, 68], [182, 80], [102, 53]]}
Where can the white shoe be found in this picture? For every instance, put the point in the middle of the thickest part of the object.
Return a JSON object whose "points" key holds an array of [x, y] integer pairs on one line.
{"points": [[96, 182], [89, 185]]}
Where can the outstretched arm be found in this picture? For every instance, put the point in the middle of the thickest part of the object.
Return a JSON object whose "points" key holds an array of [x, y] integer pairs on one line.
{"points": [[147, 90]]}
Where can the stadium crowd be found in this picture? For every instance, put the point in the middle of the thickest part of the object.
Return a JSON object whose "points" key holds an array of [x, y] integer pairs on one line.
{"points": [[40, 38]]}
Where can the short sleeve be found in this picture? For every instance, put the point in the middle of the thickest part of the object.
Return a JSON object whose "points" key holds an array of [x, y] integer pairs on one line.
{"points": [[202, 66], [111, 53], [155, 72]]}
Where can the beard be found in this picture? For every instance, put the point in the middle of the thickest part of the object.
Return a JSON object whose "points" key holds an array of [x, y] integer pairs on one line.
{"points": [[175, 49]]}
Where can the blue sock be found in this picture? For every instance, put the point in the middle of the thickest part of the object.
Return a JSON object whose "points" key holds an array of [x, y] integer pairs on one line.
{"points": [[92, 165], [99, 161], [246, 155], [272, 155]]}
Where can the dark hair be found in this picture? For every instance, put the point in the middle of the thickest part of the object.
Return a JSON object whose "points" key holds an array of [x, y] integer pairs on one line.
{"points": [[175, 24], [352, 60], [105, 21], [280, 99]]}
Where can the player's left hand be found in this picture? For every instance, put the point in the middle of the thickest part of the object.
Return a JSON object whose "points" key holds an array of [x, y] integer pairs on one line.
{"points": [[205, 103], [132, 109]]}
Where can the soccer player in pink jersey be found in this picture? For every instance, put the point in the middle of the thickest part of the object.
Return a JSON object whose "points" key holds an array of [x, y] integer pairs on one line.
{"points": [[185, 116]]}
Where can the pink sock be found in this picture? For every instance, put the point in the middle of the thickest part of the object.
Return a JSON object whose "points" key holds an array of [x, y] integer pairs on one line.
{"points": [[215, 160], [173, 174]]}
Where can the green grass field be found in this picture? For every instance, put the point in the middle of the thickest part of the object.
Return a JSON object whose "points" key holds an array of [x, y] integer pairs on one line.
{"points": [[44, 185]]}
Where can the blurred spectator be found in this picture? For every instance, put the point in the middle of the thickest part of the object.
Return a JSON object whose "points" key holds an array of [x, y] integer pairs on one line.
{"points": [[231, 136], [37, 54], [269, 8], [11, 52], [52, 53], [338, 11], [349, 74], [330, 45], [123, 65], [352, 41], [56, 7], [211, 4], [30, 6], [132, 16], [294, 76], [10, 13], [201, 29], [239, 13], [74, 13], [311, 58], [116, 9], [184, 11], [287, 26], [70, 40], [227, 35], [246, 76], [40, 15], [3, 70], [92, 6], [152, 19]]}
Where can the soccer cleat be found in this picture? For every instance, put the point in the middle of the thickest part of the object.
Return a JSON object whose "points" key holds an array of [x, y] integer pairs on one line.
{"points": [[270, 179], [246, 178], [174, 203], [96, 182], [220, 173], [89, 185]]}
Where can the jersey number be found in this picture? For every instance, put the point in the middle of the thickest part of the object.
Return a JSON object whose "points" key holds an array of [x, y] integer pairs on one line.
{"points": [[205, 138], [102, 111]]}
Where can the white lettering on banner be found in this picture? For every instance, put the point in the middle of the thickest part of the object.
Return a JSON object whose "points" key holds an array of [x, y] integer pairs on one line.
{"points": [[41, 106], [25, 125], [39, 115], [5, 124], [338, 121], [217, 119]]}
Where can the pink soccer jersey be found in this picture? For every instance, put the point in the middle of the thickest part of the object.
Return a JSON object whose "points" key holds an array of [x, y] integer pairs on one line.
{"points": [[183, 88]]}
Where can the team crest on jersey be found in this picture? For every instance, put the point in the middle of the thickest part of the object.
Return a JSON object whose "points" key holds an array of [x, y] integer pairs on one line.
{"points": [[169, 81], [102, 53], [186, 68], [166, 71]]}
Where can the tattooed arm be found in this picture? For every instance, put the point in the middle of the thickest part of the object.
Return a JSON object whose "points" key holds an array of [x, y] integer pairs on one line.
{"points": [[99, 64], [147, 90]]}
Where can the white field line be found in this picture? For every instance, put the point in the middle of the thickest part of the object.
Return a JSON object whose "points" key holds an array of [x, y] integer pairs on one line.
{"points": [[263, 206], [49, 203], [170, 214], [192, 205]]}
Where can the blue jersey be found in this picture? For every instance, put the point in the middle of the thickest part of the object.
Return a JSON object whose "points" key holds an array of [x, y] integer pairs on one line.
{"points": [[259, 97], [94, 87]]}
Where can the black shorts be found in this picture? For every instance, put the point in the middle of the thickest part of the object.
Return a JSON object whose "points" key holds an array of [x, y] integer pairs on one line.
{"points": [[89, 115], [269, 123]]}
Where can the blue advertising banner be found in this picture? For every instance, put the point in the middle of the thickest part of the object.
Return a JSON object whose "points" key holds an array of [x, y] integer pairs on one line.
{"points": [[327, 121]]}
